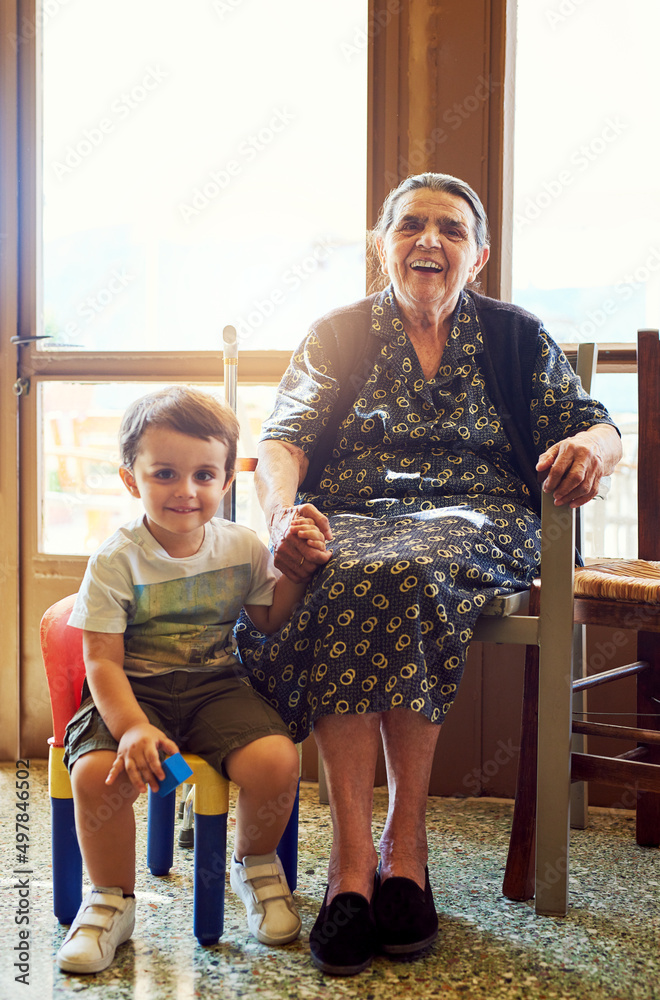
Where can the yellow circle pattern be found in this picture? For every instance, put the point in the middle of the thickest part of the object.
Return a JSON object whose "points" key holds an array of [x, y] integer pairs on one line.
{"points": [[429, 521]]}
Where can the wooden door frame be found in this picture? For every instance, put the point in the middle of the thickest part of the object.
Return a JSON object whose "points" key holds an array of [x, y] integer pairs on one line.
{"points": [[9, 243], [441, 98]]}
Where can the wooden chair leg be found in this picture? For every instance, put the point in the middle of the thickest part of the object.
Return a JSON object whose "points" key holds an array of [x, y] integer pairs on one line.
{"points": [[519, 874], [648, 693], [579, 793]]}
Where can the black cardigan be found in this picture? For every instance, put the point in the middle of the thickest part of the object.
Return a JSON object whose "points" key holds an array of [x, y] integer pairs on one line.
{"points": [[510, 336]]}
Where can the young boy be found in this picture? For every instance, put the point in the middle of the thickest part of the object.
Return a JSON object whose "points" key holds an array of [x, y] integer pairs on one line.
{"points": [[157, 607]]}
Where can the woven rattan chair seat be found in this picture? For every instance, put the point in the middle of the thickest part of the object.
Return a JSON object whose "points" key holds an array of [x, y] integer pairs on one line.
{"points": [[620, 580]]}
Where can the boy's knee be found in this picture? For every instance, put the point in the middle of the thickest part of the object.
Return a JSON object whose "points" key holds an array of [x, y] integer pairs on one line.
{"points": [[92, 766], [89, 772], [285, 757], [273, 759]]}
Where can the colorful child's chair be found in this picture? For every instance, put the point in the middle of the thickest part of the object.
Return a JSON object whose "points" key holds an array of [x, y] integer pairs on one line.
{"points": [[65, 670]]}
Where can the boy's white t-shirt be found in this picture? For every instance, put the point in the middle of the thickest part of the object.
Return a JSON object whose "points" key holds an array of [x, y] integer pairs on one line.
{"points": [[176, 614]]}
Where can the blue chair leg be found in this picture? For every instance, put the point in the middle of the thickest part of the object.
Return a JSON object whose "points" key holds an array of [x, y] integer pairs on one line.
{"points": [[67, 861], [209, 882], [160, 833], [288, 845]]}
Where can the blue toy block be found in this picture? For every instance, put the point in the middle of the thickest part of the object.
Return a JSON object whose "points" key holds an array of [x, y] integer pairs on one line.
{"points": [[176, 771]]}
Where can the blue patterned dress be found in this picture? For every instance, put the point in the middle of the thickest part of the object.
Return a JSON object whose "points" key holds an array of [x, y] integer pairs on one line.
{"points": [[429, 522]]}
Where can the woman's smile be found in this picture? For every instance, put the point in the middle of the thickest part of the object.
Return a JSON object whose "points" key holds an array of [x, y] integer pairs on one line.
{"points": [[422, 264]]}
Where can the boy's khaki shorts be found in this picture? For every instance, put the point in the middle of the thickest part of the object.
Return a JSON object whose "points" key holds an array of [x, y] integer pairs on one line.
{"points": [[203, 713]]}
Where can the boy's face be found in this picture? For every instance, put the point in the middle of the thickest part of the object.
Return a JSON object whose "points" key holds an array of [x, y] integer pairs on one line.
{"points": [[181, 481]]}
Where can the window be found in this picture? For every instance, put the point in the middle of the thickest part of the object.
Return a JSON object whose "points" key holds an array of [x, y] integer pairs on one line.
{"points": [[586, 251], [203, 164]]}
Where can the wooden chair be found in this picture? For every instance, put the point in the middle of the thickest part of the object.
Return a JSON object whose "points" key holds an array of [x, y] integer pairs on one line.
{"points": [[622, 594], [549, 631]]}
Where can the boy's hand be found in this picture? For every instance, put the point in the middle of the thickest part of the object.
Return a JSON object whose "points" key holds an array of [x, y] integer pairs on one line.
{"points": [[291, 552], [306, 528], [138, 755]]}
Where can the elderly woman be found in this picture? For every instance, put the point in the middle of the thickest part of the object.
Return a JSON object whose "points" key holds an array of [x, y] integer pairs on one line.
{"points": [[412, 427]]}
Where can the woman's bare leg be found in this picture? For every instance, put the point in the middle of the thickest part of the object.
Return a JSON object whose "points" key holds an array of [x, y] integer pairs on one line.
{"points": [[349, 748], [409, 741]]}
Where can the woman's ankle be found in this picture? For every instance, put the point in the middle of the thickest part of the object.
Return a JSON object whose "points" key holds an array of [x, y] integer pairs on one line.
{"points": [[404, 854], [354, 876]]}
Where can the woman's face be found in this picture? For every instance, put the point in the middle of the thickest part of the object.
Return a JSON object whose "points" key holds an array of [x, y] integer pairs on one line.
{"points": [[429, 251]]}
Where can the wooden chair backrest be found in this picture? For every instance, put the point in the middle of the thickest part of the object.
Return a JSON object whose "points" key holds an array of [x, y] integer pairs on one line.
{"points": [[648, 455]]}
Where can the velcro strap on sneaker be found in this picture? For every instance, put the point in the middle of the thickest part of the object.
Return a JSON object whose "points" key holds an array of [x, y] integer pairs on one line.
{"points": [[102, 921], [107, 899], [259, 871], [275, 891]]}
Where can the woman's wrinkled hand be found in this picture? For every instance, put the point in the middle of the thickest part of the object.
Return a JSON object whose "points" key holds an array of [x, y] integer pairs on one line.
{"points": [[299, 535], [574, 468]]}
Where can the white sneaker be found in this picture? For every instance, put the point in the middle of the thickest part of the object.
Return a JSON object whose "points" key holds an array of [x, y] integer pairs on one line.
{"points": [[104, 921], [261, 883]]}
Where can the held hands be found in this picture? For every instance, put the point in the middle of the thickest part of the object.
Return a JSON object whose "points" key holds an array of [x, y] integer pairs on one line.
{"points": [[299, 536], [305, 528], [138, 755]]}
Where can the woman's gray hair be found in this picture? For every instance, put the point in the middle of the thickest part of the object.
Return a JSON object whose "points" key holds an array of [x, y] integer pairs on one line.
{"points": [[435, 182], [416, 182]]}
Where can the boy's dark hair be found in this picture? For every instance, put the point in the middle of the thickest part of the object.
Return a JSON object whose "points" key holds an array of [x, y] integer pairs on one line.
{"points": [[182, 409]]}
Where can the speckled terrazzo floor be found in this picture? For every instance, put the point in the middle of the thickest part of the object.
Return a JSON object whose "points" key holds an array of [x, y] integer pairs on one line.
{"points": [[488, 948]]}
